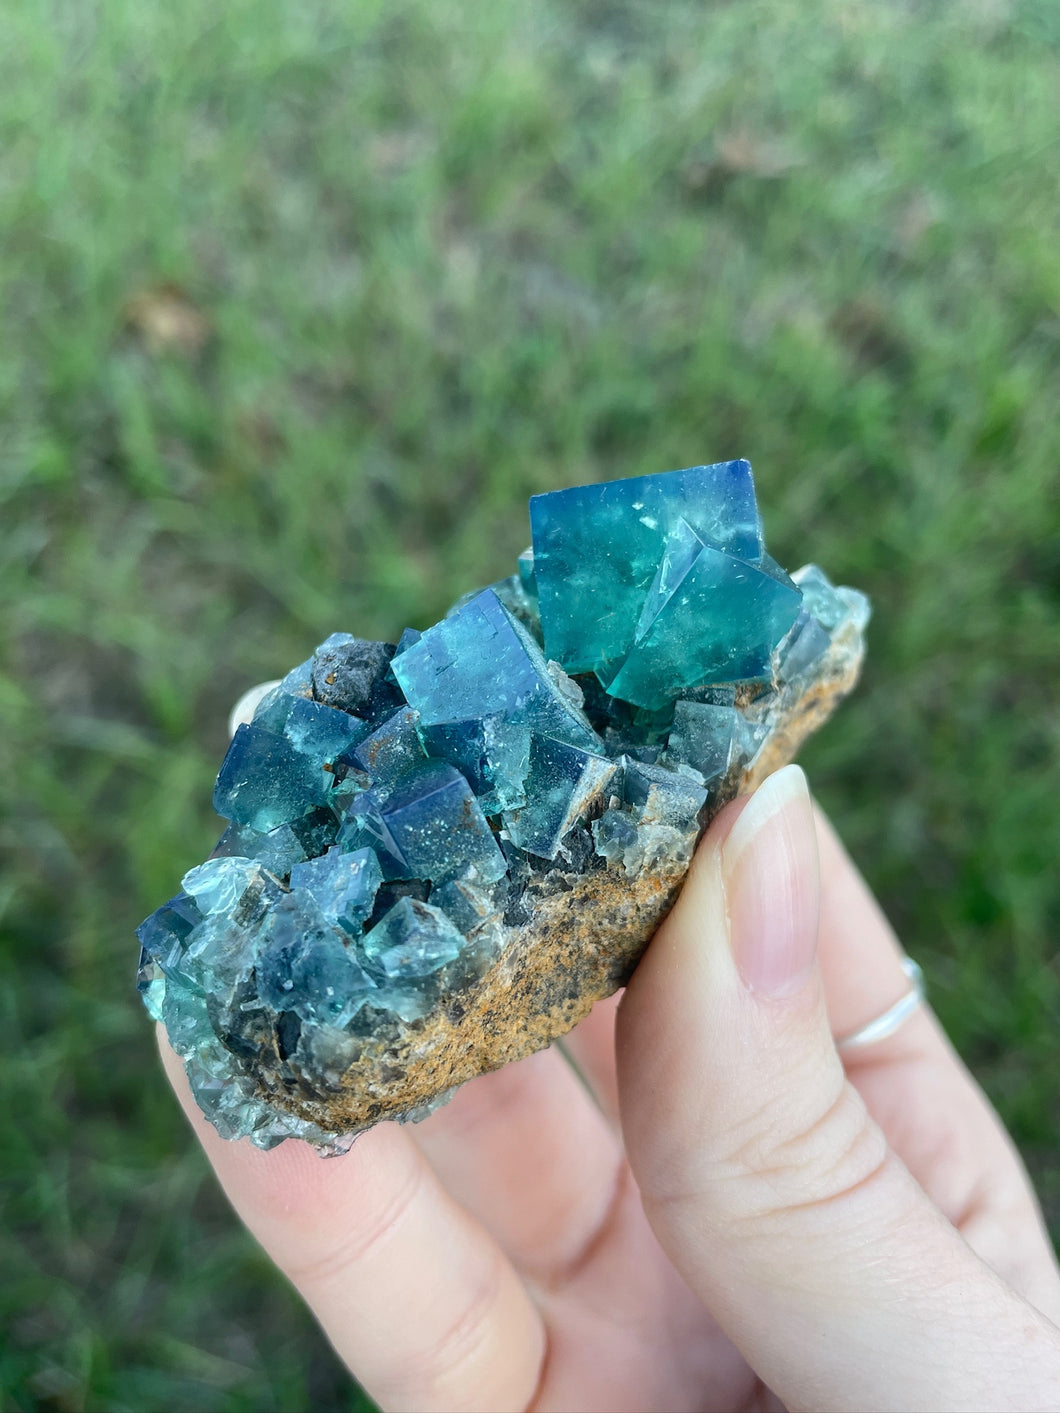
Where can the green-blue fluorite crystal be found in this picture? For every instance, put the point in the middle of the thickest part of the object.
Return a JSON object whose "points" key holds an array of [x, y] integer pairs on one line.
{"points": [[427, 826], [413, 940], [393, 812], [660, 582], [343, 885], [481, 663]]}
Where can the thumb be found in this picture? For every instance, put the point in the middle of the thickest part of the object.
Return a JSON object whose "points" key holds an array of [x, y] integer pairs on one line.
{"points": [[767, 1182]]}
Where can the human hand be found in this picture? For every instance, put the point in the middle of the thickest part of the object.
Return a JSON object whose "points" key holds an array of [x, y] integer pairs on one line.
{"points": [[723, 1220]]}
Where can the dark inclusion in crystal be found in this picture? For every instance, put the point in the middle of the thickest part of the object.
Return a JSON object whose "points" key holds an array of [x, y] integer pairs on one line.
{"points": [[394, 813]]}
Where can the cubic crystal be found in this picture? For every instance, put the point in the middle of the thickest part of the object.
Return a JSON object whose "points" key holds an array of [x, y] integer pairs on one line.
{"points": [[413, 940], [479, 662], [598, 550], [429, 826], [342, 885], [266, 781], [393, 749], [493, 754], [305, 966], [281, 848], [563, 785], [703, 736], [719, 622]]}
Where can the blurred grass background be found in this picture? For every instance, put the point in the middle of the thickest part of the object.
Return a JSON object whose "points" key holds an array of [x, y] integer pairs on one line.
{"points": [[299, 303]]}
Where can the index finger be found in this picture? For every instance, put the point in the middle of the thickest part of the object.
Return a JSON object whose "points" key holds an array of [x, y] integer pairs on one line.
{"points": [[418, 1301]]}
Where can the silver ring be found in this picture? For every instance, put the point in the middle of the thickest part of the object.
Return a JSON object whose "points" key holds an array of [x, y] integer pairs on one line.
{"points": [[892, 1019]]}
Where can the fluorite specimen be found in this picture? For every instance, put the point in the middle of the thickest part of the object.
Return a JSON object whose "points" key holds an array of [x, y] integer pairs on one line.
{"points": [[440, 854]]}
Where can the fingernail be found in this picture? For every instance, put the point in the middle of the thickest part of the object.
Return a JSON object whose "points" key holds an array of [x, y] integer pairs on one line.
{"points": [[769, 865], [243, 711]]}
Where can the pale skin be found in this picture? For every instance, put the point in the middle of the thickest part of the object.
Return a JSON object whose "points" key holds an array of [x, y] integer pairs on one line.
{"points": [[694, 1203]]}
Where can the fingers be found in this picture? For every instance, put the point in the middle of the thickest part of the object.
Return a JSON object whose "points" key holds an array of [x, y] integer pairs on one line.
{"points": [[915, 1086], [413, 1294], [529, 1153], [859, 954], [766, 1179], [917, 1089], [245, 707]]}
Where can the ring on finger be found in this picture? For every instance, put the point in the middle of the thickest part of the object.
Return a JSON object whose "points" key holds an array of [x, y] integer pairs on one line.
{"points": [[893, 1018]]}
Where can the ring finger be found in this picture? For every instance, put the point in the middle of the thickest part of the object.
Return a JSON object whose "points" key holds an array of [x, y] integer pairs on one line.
{"points": [[934, 1115]]}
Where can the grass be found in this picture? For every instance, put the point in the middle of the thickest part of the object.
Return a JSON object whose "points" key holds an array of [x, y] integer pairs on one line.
{"points": [[299, 303]]}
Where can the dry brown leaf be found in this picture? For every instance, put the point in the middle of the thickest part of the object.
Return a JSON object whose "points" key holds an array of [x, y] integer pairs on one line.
{"points": [[167, 321]]}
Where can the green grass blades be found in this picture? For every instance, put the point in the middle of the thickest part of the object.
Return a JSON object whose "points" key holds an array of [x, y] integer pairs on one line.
{"points": [[298, 304]]}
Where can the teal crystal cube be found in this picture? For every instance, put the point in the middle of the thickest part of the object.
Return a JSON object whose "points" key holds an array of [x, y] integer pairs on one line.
{"points": [[306, 967], [704, 737], [220, 885], [491, 753], [323, 732], [343, 885], [281, 848], [413, 940], [563, 784], [265, 781], [429, 827], [392, 749], [480, 662], [659, 582]]}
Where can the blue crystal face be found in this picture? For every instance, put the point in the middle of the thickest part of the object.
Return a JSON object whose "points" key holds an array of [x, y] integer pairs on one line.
{"points": [[322, 732], [429, 826], [481, 663], [342, 885], [265, 781], [492, 753], [392, 750], [305, 967], [162, 938], [703, 736], [412, 941], [220, 885], [719, 622], [394, 812], [659, 582], [563, 784], [281, 848]]}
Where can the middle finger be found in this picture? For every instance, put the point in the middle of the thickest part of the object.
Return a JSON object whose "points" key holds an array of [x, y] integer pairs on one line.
{"points": [[529, 1153]]}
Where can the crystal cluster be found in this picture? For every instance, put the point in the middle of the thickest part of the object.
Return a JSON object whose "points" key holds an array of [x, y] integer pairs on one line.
{"points": [[440, 853]]}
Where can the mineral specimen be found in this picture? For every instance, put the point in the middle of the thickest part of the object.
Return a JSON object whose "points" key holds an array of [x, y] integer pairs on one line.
{"points": [[439, 855]]}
